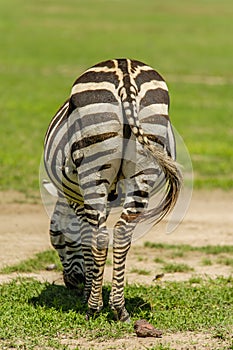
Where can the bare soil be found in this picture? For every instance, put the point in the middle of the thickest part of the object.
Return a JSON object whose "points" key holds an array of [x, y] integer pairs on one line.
{"points": [[209, 221]]}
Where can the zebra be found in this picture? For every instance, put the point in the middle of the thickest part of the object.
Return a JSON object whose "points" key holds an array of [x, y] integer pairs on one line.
{"points": [[115, 125]]}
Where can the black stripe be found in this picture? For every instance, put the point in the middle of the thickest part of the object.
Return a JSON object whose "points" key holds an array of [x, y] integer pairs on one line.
{"points": [[138, 193], [93, 157], [155, 96], [66, 177], [98, 118], [134, 204], [61, 145], [99, 206], [93, 217], [119, 269], [59, 184], [94, 169], [135, 64], [108, 64], [91, 140], [73, 244], [77, 161], [120, 280], [55, 233], [157, 139], [71, 194], [150, 183], [98, 77], [94, 183], [60, 114], [89, 97], [150, 171], [59, 246], [161, 119], [162, 141], [94, 195], [120, 257], [146, 77]]}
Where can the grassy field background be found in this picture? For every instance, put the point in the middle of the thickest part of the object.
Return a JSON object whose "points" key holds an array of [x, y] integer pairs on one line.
{"points": [[46, 44]]}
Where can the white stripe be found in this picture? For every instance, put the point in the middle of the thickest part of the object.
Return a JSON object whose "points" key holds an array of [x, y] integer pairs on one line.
{"points": [[81, 87], [59, 135], [103, 69], [159, 108], [95, 108], [152, 85], [155, 129], [145, 68], [56, 119]]}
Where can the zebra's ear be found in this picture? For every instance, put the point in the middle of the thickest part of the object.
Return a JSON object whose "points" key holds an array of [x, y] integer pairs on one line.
{"points": [[50, 188]]}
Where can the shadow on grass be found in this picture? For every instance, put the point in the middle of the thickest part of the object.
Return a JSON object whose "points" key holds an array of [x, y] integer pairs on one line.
{"points": [[60, 298]]}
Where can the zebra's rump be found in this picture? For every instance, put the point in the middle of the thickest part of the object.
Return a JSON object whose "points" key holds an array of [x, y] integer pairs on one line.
{"points": [[97, 131]]}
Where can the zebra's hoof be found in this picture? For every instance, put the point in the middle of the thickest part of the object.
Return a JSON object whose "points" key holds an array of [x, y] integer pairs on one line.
{"points": [[87, 316], [73, 283], [121, 315], [86, 295], [92, 312]]}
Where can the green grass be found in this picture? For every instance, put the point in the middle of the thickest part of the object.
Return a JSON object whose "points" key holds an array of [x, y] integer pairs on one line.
{"points": [[158, 260], [46, 45], [175, 267], [37, 263], [225, 261], [169, 251], [142, 272], [209, 249], [42, 314], [35, 314], [206, 262]]}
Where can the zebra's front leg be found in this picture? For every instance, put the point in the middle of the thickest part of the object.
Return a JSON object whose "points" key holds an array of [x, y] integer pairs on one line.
{"points": [[87, 233], [65, 237], [99, 253]]}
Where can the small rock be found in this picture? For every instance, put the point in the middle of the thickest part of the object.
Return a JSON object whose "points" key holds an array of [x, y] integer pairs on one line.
{"points": [[145, 329], [51, 267]]}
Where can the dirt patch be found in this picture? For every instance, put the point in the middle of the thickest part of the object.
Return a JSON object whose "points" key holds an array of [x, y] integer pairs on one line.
{"points": [[23, 232], [178, 341], [209, 221]]}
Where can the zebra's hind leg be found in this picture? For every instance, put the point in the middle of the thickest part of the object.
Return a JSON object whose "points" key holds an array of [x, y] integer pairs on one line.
{"points": [[99, 252], [121, 246], [135, 203], [65, 238], [95, 206]]}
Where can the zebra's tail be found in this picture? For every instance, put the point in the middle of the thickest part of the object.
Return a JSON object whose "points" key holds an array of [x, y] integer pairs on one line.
{"points": [[174, 181], [173, 175]]}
